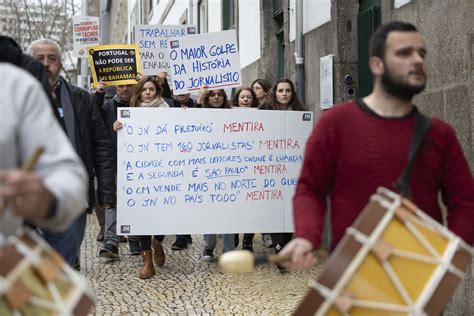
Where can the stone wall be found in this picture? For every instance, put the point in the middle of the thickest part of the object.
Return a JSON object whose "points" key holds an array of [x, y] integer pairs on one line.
{"points": [[337, 37], [448, 29]]}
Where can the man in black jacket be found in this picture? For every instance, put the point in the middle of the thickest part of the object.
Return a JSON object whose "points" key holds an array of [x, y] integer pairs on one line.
{"points": [[108, 111], [86, 131]]}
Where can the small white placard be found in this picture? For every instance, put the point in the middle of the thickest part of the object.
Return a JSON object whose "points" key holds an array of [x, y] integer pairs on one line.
{"points": [[326, 81], [85, 30], [398, 3]]}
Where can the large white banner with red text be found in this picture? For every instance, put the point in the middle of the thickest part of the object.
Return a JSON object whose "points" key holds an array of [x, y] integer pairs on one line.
{"points": [[194, 171]]}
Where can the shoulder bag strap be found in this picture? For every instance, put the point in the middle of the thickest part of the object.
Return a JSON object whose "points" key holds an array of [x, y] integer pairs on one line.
{"points": [[421, 128]]}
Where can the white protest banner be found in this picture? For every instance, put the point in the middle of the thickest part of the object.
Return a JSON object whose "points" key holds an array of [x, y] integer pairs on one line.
{"points": [[195, 171], [205, 60], [153, 44], [85, 31]]}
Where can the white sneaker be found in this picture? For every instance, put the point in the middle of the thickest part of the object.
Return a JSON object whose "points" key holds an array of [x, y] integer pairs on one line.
{"points": [[208, 255], [267, 240]]}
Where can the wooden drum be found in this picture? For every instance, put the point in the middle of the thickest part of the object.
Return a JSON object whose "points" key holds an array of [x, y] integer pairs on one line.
{"points": [[35, 280], [394, 260]]}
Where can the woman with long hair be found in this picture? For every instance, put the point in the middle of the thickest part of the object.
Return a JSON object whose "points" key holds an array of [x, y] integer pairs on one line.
{"points": [[282, 97], [245, 98], [215, 99], [261, 87], [147, 93]]}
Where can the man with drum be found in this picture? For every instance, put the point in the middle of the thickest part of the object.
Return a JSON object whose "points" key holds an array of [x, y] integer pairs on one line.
{"points": [[363, 144]]}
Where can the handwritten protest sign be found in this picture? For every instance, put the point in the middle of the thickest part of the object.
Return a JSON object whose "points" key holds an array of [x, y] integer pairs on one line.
{"points": [[205, 60], [85, 34], [200, 171], [114, 64], [153, 43]]}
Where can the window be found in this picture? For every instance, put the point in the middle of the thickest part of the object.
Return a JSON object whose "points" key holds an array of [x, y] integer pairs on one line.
{"points": [[368, 19], [202, 17], [277, 7], [280, 36], [229, 9]]}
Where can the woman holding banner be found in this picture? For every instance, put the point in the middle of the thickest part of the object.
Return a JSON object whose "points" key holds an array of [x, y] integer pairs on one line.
{"points": [[148, 93], [245, 98], [261, 88], [215, 99], [282, 97]]}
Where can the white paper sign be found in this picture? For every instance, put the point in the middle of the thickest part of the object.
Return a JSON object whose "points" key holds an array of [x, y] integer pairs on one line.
{"points": [[326, 81], [205, 60], [398, 3], [153, 43], [85, 33], [195, 171]]}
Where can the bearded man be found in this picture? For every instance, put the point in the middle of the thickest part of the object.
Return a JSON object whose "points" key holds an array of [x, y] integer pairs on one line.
{"points": [[363, 144]]}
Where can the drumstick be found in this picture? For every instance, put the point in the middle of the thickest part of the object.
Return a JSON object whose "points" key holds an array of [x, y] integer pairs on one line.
{"points": [[244, 261], [28, 165]]}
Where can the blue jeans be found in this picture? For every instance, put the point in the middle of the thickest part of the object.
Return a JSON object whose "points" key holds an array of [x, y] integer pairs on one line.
{"points": [[68, 242]]}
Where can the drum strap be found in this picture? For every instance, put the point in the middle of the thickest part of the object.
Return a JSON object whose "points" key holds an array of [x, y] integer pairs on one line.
{"points": [[421, 128]]}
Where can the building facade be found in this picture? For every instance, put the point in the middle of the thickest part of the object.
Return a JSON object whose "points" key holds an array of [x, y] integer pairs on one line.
{"points": [[267, 33]]}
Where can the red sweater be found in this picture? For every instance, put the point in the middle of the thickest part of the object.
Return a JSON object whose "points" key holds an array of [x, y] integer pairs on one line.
{"points": [[352, 151]]}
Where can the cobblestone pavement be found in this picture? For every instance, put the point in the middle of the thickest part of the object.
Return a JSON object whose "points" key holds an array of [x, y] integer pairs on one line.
{"points": [[187, 286]]}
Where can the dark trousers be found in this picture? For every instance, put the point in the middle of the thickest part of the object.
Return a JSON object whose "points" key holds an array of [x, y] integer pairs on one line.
{"points": [[100, 213], [248, 238], [68, 242], [280, 240], [145, 241]]}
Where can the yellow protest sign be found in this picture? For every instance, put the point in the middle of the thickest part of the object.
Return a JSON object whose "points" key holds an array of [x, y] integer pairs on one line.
{"points": [[114, 64]]}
